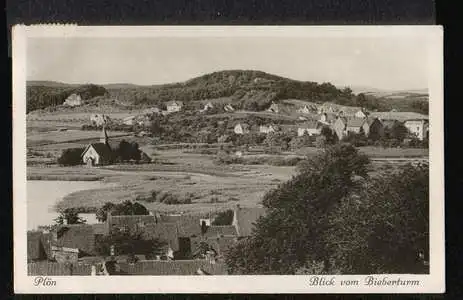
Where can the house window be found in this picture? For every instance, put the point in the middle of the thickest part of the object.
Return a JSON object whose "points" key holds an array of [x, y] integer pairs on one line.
{"points": [[418, 128]]}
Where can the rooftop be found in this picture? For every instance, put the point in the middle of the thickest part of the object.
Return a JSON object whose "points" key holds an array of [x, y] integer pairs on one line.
{"points": [[179, 267]]}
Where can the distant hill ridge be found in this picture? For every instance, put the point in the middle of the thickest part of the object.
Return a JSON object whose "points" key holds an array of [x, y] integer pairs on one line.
{"points": [[247, 89]]}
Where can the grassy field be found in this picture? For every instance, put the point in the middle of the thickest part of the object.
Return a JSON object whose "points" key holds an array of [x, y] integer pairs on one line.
{"points": [[184, 172], [210, 187]]}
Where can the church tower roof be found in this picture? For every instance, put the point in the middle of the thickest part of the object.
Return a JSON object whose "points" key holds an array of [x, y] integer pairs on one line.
{"points": [[104, 136]]}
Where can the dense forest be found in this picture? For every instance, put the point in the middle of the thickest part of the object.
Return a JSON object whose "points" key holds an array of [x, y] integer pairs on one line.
{"points": [[248, 90], [39, 97]]}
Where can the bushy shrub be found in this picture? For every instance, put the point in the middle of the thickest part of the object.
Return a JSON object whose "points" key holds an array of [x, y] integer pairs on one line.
{"points": [[71, 157]]}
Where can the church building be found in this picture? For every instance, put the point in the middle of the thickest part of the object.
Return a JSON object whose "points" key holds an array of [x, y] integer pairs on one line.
{"points": [[98, 154]]}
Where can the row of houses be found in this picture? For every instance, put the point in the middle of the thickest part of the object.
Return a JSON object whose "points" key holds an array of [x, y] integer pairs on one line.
{"points": [[374, 123], [184, 238]]}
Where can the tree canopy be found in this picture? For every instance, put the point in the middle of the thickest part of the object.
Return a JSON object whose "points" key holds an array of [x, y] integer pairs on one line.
{"points": [[332, 199], [118, 209]]}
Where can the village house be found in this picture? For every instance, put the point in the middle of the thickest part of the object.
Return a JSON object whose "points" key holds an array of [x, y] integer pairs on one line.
{"points": [[99, 119], [174, 106], [310, 128], [267, 128], [80, 237], [228, 108], [327, 118], [151, 110], [48, 268], [373, 127], [418, 128], [360, 114], [339, 127], [73, 100], [274, 108], [307, 109], [241, 128], [208, 106], [98, 154], [64, 254], [355, 125], [38, 247], [218, 239], [177, 267], [130, 120]]}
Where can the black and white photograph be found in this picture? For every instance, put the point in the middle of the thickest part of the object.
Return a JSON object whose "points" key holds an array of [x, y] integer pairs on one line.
{"points": [[212, 152]]}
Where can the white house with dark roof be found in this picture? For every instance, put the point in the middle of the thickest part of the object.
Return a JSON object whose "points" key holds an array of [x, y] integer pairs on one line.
{"points": [[310, 127], [418, 128], [228, 108], [97, 154], [267, 128], [174, 106], [241, 128], [73, 100]]}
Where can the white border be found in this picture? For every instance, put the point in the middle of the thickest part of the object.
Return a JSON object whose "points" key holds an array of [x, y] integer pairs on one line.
{"points": [[432, 283]]}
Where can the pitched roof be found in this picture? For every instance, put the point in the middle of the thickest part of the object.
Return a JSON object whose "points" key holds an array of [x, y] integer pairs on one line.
{"points": [[80, 236], [243, 125], [35, 245], [187, 225], [132, 222], [310, 124], [102, 149], [174, 102], [246, 218], [219, 244], [179, 267], [166, 232], [370, 120], [388, 123], [43, 268], [355, 122], [224, 230], [100, 228]]}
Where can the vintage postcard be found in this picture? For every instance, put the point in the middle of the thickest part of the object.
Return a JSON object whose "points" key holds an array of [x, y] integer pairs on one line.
{"points": [[268, 159]]}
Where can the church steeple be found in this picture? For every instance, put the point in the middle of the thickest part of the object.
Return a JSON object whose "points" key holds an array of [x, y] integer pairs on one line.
{"points": [[104, 136]]}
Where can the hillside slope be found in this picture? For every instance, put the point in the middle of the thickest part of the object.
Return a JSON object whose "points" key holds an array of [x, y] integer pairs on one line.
{"points": [[246, 89]]}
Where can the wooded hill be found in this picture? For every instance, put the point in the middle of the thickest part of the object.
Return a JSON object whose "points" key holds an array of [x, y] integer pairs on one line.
{"points": [[247, 90], [43, 96]]}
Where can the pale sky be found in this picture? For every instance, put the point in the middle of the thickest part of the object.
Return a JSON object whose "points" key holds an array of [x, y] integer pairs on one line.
{"points": [[393, 63]]}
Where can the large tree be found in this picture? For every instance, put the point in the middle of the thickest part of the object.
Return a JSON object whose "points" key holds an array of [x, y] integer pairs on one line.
{"points": [[385, 228], [332, 218], [124, 208], [69, 216], [292, 230]]}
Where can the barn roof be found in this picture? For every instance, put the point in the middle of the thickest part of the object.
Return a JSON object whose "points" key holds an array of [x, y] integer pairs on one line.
{"points": [[80, 236], [224, 230], [132, 222], [187, 225], [246, 218], [179, 267], [166, 232], [35, 245], [99, 228], [219, 244], [310, 124], [355, 122]]}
